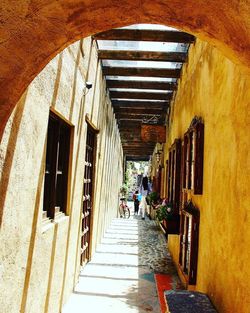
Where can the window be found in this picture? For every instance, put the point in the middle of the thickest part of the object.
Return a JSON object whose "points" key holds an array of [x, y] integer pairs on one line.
{"points": [[193, 146], [189, 240], [57, 163]]}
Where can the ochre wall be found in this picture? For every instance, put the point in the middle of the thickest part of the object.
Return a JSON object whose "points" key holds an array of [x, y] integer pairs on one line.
{"points": [[41, 262], [33, 32], [214, 88]]}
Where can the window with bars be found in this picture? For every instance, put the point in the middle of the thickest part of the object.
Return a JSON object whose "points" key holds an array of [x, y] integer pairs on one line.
{"points": [[189, 240], [192, 156], [56, 169]]}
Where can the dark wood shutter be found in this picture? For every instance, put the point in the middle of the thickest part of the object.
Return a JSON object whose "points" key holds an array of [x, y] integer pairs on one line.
{"points": [[88, 193], [169, 175], [177, 174], [174, 174], [166, 176], [192, 156], [194, 249], [189, 241], [57, 163], [185, 162], [199, 154]]}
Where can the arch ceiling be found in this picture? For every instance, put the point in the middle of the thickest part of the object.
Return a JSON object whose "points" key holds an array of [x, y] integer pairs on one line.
{"points": [[32, 32]]}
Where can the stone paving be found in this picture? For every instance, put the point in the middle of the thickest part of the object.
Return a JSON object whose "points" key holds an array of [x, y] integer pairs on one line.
{"points": [[120, 276]]}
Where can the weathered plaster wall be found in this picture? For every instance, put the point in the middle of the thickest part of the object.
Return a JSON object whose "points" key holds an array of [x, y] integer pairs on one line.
{"points": [[40, 263], [214, 88], [33, 32]]}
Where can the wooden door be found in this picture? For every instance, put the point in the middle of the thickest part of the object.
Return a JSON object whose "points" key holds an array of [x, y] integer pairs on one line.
{"points": [[87, 195]]}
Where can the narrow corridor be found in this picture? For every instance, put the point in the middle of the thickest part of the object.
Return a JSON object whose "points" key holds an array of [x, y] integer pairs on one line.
{"points": [[120, 277]]}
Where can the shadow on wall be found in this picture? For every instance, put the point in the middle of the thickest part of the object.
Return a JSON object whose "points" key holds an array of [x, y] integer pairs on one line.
{"points": [[33, 234], [15, 123]]}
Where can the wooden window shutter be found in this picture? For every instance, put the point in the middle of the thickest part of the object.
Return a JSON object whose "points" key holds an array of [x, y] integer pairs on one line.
{"points": [[189, 242], [177, 174], [169, 175], [199, 153], [194, 250], [57, 163]]}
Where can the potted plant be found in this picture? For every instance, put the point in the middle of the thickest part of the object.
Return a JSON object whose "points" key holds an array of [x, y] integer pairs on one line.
{"points": [[152, 197], [167, 217], [164, 211]]}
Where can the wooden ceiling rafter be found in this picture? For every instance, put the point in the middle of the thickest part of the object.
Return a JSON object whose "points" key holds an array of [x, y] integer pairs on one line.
{"points": [[140, 111], [145, 35], [140, 95], [141, 71], [136, 93], [135, 84], [132, 55], [140, 104]]}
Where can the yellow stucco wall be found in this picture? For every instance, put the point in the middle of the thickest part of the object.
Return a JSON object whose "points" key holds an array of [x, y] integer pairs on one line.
{"points": [[40, 263], [217, 90]]}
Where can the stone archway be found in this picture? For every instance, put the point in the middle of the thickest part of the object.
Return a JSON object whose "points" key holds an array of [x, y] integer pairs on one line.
{"points": [[33, 32]]}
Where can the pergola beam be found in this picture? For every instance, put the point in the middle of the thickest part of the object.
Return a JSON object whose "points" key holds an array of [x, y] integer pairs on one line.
{"points": [[135, 116], [140, 95], [141, 71], [139, 104], [135, 84], [133, 55], [145, 35], [139, 111]]}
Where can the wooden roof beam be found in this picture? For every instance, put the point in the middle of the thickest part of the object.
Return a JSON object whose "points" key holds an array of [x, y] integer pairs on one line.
{"points": [[138, 151], [132, 115], [135, 84], [140, 104], [141, 71], [139, 111], [132, 125], [140, 95], [132, 55], [137, 158], [139, 144], [145, 35]]}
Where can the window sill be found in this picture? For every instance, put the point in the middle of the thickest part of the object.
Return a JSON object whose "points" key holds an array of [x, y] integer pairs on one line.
{"points": [[60, 217], [48, 223]]}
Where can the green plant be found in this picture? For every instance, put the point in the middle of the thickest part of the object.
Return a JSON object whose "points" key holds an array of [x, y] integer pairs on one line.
{"points": [[124, 190], [164, 211], [152, 197]]}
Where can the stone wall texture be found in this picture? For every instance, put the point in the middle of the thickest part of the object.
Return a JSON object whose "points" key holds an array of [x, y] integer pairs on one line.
{"points": [[217, 90], [40, 263]]}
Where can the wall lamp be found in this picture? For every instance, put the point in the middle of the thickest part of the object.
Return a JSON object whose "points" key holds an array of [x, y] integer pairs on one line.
{"points": [[158, 154], [86, 88]]}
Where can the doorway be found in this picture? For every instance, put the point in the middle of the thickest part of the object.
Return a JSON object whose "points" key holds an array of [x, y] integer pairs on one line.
{"points": [[88, 184]]}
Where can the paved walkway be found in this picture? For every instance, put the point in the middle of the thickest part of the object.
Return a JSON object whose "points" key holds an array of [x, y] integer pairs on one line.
{"points": [[120, 276]]}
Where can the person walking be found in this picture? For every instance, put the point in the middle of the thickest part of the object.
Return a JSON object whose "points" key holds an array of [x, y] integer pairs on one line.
{"points": [[136, 202], [144, 191]]}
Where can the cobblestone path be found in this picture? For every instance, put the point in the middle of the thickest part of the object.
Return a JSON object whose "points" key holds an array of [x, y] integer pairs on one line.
{"points": [[120, 276]]}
